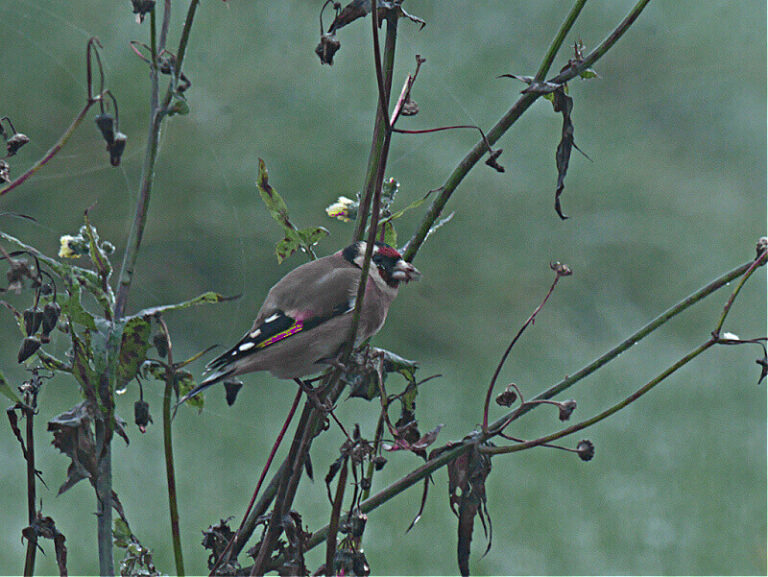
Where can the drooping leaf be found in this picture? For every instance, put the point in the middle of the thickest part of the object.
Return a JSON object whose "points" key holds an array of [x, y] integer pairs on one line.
{"points": [[209, 297], [466, 487], [121, 533], [275, 203], [72, 435], [286, 247], [390, 234]]}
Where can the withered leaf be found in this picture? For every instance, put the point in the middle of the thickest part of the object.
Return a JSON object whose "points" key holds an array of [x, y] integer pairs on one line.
{"points": [[73, 436], [466, 486]]}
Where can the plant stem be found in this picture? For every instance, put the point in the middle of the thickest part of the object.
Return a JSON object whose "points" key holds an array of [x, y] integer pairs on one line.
{"points": [[505, 122], [170, 470], [568, 23], [157, 112], [606, 413], [29, 561], [627, 343], [103, 486], [476, 437], [54, 149]]}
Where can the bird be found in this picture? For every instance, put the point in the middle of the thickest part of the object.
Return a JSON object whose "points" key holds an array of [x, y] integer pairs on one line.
{"points": [[307, 315]]}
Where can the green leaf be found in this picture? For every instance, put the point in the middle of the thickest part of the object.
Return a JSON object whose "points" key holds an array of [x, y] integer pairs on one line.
{"points": [[186, 383], [275, 203], [121, 534], [179, 106], [73, 308], [209, 297], [311, 236], [390, 234], [286, 247], [154, 369], [6, 390], [133, 350], [415, 204], [589, 73]]}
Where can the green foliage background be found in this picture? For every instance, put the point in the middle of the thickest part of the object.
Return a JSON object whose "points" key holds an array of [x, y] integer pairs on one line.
{"points": [[675, 196]]}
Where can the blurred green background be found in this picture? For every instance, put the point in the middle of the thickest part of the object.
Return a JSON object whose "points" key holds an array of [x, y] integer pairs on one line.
{"points": [[675, 196]]}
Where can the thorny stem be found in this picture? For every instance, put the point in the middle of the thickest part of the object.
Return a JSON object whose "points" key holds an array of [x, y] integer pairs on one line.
{"points": [[505, 122], [170, 471]]}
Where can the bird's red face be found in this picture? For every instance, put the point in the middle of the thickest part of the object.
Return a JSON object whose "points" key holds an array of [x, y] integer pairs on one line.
{"points": [[390, 270]]}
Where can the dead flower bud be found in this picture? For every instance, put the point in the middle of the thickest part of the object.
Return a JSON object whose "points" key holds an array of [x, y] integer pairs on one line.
{"points": [[232, 387], [365, 483], [32, 320], [586, 450], [762, 245], [5, 172], [15, 142], [507, 398], [50, 316], [141, 8], [106, 124], [410, 108], [566, 409], [28, 347], [117, 149], [560, 268], [141, 415], [328, 46], [379, 462]]}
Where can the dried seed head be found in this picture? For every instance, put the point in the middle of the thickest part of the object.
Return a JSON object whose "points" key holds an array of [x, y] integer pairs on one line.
{"points": [[117, 148], [106, 124], [32, 320], [15, 142], [566, 409], [51, 313], [329, 45], [507, 398], [232, 387], [560, 268], [141, 415], [28, 347], [379, 462], [410, 108], [586, 450], [762, 246], [5, 172]]}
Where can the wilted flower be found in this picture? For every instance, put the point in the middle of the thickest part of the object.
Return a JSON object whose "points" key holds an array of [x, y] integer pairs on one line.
{"points": [[345, 209]]}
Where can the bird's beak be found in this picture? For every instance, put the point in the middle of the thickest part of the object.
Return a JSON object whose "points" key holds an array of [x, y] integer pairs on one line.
{"points": [[405, 272]]}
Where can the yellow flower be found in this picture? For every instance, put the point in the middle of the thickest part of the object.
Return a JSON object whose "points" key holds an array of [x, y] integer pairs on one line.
{"points": [[342, 209], [69, 246]]}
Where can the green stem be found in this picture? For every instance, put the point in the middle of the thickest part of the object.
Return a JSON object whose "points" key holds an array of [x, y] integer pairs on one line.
{"points": [[505, 122], [53, 150], [568, 23], [29, 561], [633, 339], [157, 112], [476, 437], [103, 487], [606, 413]]}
